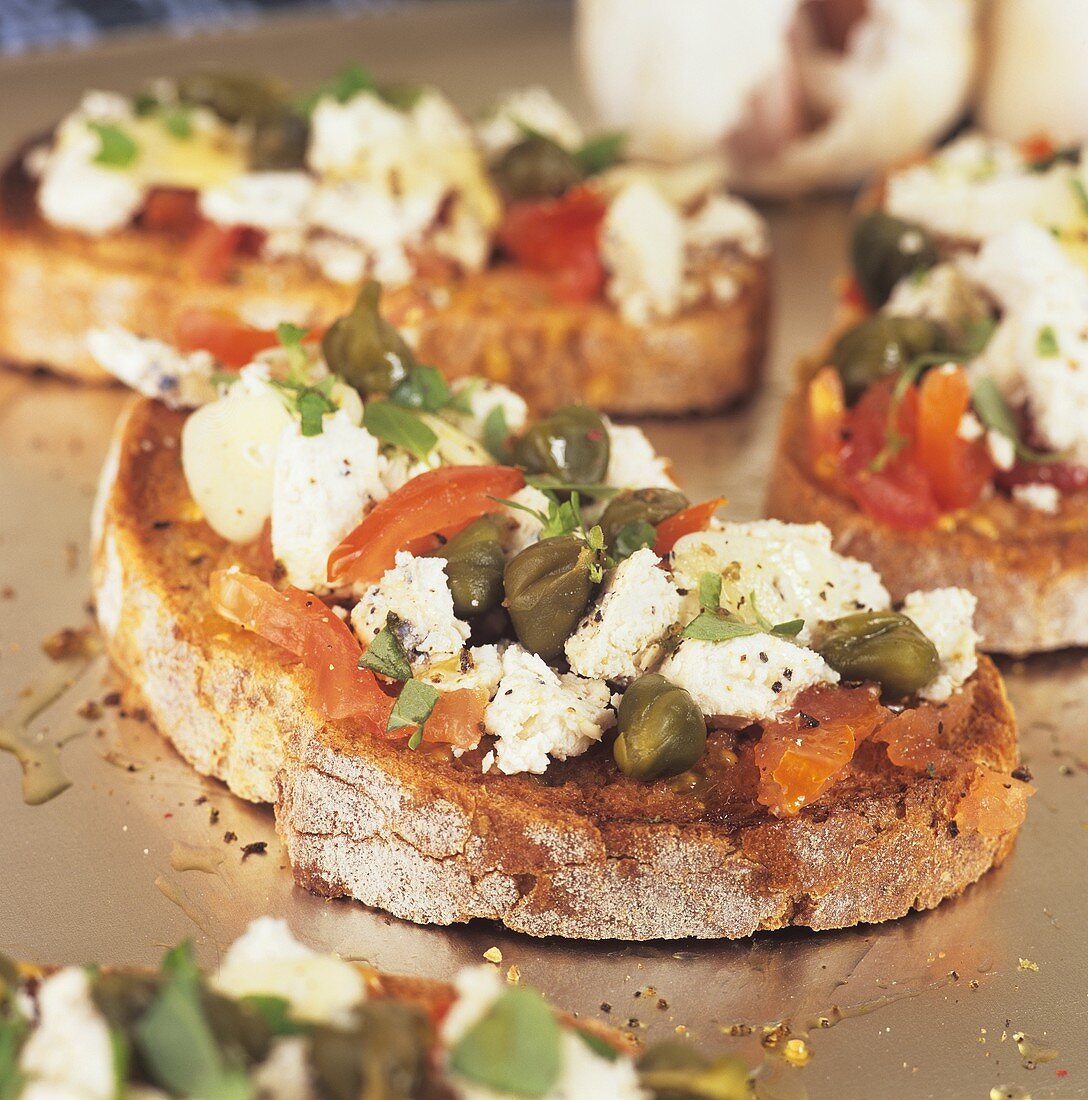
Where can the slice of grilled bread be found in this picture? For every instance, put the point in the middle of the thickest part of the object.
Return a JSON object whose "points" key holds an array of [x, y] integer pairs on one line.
{"points": [[1028, 569], [584, 852], [502, 323]]}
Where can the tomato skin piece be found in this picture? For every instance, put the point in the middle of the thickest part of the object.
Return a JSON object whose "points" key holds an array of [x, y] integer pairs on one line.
{"points": [[445, 499], [305, 626], [171, 210], [231, 341], [457, 718], [559, 238], [994, 804], [670, 531]]}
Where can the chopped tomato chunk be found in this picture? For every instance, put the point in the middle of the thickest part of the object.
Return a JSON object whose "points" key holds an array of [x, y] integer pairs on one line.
{"points": [[303, 625], [458, 718], [695, 518], [994, 804], [171, 210], [441, 500], [212, 249], [231, 341], [559, 238]]}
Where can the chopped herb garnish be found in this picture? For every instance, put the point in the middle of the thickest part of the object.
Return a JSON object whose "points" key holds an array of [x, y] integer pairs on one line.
{"points": [[385, 655], [290, 338], [421, 388], [349, 82], [710, 591], [1046, 343], [461, 400], [600, 153], [513, 1048], [634, 536], [178, 124], [548, 483], [990, 407], [412, 708], [711, 626], [115, 148], [225, 378], [312, 407], [396, 425], [496, 432], [401, 96], [715, 624]]}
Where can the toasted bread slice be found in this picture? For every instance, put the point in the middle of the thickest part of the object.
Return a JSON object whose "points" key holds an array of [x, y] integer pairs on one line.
{"points": [[502, 323], [1029, 570], [589, 853]]}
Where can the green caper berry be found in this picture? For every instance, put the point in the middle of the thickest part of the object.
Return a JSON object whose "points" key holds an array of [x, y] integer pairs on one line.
{"points": [[883, 647], [365, 349], [548, 588], [661, 730], [279, 141], [885, 249], [880, 346], [639, 506], [536, 167], [234, 97], [571, 445], [474, 568]]}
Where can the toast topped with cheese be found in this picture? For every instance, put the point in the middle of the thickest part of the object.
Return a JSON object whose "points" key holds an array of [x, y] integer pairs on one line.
{"points": [[207, 209], [485, 665], [942, 432], [279, 1021]]}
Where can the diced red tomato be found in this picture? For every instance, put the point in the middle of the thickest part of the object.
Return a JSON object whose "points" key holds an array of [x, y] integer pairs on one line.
{"points": [[445, 499], [212, 249], [958, 469], [799, 755], [826, 420], [171, 210], [994, 804], [303, 625], [231, 341], [458, 718], [670, 531], [559, 238]]}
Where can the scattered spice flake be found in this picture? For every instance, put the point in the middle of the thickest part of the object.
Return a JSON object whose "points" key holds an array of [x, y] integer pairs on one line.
{"points": [[90, 710], [113, 699], [605, 1007], [257, 848], [69, 643], [1027, 964], [7, 592], [493, 955], [513, 975], [213, 815], [229, 837]]}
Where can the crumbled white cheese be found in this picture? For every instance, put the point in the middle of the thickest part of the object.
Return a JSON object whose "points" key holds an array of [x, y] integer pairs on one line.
{"points": [[336, 259], [519, 528], [632, 461], [943, 295], [790, 568], [970, 428], [400, 468], [322, 486], [533, 108], [1041, 497], [285, 1074], [642, 246], [620, 634], [264, 200], [724, 220], [482, 397], [267, 959], [417, 592], [754, 677], [181, 380], [946, 617], [1002, 449], [537, 714], [71, 1046], [476, 667]]}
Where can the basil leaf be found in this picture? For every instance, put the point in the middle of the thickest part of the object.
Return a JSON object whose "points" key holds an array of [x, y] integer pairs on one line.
{"points": [[396, 425], [598, 1045], [1046, 343], [178, 125], [634, 536], [115, 148], [496, 432], [275, 1012], [412, 708], [514, 1048], [312, 406], [708, 626], [995, 414], [789, 629], [421, 388], [600, 153], [710, 591], [385, 655], [461, 401], [975, 335], [563, 518], [177, 1046]]}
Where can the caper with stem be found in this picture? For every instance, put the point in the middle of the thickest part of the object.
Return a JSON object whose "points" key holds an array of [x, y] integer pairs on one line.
{"points": [[661, 730], [536, 167], [365, 349], [571, 446], [474, 568], [885, 249]]}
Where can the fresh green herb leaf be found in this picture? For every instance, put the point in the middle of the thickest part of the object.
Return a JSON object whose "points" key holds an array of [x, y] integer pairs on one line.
{"points": [[178, 1049], [563, 518], [290, 338], [115, 148], [514, 1048], [144, 104], [396, 425], [1046, 343], [598, 1045], [496, 432], [412, 708], [421, 388], [990, 407], [178, 124], [312, 407], [710, 591], [789, 629], [975, 335], [600, 153], [547, 483], [1081, 192], [461, 399], [349, 82], [121, 1058], [403, 97], [385, 655], [275, 1012], [595, 538], [709, 626], [634, 536]]}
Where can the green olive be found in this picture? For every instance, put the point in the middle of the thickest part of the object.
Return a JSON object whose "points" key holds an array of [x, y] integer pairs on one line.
{"points": [[677, 1071], [661, 730], [635, 506], [880, 646], [234, 97], [548, 588], [279, 141], [474, 567], [571, 445], [884, 250], [879, 346], [365, 349], [384, 1056], [536, 167]]}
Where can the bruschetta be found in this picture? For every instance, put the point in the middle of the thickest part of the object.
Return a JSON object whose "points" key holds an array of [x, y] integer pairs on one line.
{"points": [[207, 209], [491, 666], [942, 432]]}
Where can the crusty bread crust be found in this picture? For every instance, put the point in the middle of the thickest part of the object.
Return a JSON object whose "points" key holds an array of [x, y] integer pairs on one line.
{"points": [[1028, 569], [501, 323], [430, 839]]}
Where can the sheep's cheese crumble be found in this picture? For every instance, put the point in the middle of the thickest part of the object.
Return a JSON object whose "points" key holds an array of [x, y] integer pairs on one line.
{"points": [[180, 380], [532, 109], [482, 397], [946, 617], [632, 461], [1041, 497]]}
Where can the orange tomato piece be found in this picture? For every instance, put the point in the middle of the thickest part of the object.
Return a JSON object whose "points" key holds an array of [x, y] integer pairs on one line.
{"points": [[171, 210], [457, 718], [994, 804], [685, 522], [304, 626], [446, 499], [826, 421], [231, 341]]}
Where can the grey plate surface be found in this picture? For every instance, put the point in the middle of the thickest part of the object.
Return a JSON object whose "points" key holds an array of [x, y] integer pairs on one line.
{"points": [[927, 1007]]}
